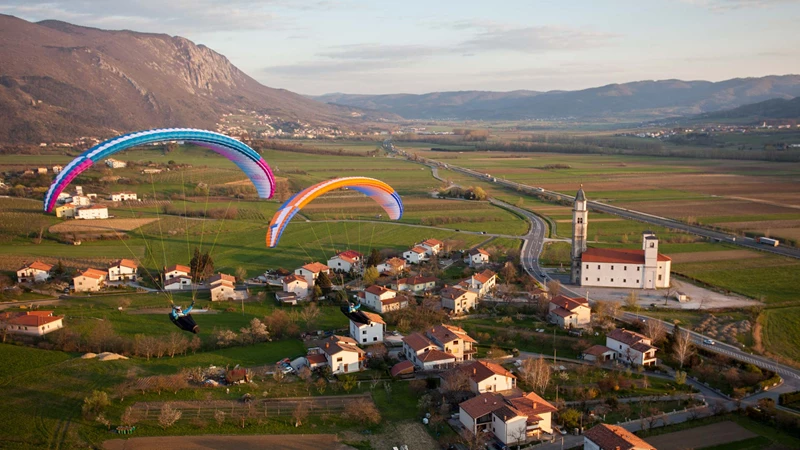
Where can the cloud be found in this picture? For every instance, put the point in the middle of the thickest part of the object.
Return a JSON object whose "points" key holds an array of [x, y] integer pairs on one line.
{"points": [[379, 52], [533, 39], [727, 5], [322, 69]]}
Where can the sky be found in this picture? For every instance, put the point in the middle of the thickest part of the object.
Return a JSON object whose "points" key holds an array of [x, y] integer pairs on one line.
{"points": [[412, 46]]}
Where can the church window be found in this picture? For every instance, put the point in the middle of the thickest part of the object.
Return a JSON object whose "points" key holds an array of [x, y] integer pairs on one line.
{"points": [[598, 280], [612, 280], [598, 267], [612, 267], [659, 278], [652, 245], [638, 268], [580, 219], [637, 281], [624, 267], [587, 266], [587, 278], [624, 280]]}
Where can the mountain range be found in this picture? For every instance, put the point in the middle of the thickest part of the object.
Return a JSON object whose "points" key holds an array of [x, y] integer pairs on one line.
{"points": [[61, 81], [776, 108], [641, 100]]}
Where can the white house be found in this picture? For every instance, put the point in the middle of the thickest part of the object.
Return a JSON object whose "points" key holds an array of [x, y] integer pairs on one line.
{"points": [[631, 347], [458, 300], [345, 261], [453, 340], [477, 257], [416, 255], [481, 283], [343, 355], [417, 284], [613, 437], [90, 280], [57, 169], [222, 290], [93, 212], [34, 323], [176, 270], [426, 355], [123, 270], [599, 353], [382, 300], [66, 210], [568, 312], [366, 328], [81, 200], [391, 266], [432, 246], [123, 196], [115, 163], [63, 197], [513, 421], [483, 376], [178, 283], [311, 272], [295, 284], [35, 272]]}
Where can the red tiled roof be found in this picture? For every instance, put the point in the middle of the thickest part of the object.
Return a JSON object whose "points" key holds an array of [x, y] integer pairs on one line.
{"points": [[613, 437], [177, 279], [38, 265], [448, 333], [350, 256], [222, 283], [377, 290], [316, 358], [402, 368], [290, 278], [416, 280], [34, 320], [561, 312], [484, 276], [178, 267], [531, 404], [93, 273], [617, 255], [569, 303], [642, 347], [453, 293], [373, 317], [395, 262], [125, 263], [417, 342], [433, 242], [627, 337], [478, 251], [95, 207], [435, 355], [481, 370], [316, 267], [222, 277], [336, 344], [482, 405], [597, 350], [418, 250]]}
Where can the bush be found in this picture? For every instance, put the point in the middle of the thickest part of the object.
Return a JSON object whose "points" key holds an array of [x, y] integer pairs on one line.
{"points": [[789, 398], [95, 404]]}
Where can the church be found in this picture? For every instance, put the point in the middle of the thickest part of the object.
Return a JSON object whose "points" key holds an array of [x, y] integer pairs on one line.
{"points": [[614, 267]]}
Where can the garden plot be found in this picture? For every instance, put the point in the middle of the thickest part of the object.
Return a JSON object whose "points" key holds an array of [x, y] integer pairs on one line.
{"points": [[707, 436]]}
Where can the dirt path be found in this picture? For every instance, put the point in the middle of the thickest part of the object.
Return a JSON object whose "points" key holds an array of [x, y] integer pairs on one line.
{"points": [[222, 442], [716, 434]]}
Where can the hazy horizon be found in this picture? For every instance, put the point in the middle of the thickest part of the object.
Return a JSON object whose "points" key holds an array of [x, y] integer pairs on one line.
{"points": [[318, 47]]}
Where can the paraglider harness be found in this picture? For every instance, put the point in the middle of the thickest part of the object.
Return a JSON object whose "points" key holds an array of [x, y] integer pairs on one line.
{"points": [[183, 320]]}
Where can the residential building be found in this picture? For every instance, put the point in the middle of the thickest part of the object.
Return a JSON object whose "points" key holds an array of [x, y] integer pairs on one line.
{"points": [[382, 300], [219, 278], [41, 170], [432, 246], [599, 353], [34, 323], [93, 212], [453, 340], [416, 255], [483, 377], [222, 290], [178, 283], [64, 197], [457, 300], [177, 270], [295, 284], [123, 197], [477, 257], [90, 280], [57, 169], [613, 437], [66, 210], [81, 200], [346, 261], [35, 272], [286, 298], [115, 163], [343, 355], [416, 284], [481, 283], [632, 347], [123, 270], [568, 312], [513, 421], [311, 272], [391, 266], [426, 355], [316, 360], [366, 327]]}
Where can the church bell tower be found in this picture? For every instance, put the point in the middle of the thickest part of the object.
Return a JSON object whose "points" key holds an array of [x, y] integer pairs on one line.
{"points": [[580, 224]]}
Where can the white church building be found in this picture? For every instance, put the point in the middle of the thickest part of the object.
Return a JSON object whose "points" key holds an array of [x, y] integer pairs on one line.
{"points": [[614, 267]]}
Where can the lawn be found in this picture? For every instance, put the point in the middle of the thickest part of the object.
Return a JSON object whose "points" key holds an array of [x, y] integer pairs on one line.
{"points": [[780, 331]]}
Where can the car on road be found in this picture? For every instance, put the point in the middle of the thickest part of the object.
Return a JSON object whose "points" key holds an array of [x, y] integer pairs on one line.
{"points": [[708, 342], [483, 232]]}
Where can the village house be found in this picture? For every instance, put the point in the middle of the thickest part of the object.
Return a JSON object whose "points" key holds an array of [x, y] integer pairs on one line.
{"points": [[177, 270], [66, 210], [93, 212], [90, 280], [568, 312], [453, 340], [81, 200], [416, 285], [424, 354], [391, 266], [311, 272], [123, 197], [631, 347], [457, 300], [416, 255], [41, 170], [57, 169], [34, 323], [150, 171], [599, 353], [35, 272], [63, 197], [512, 421], [483, 377], [222, 287], [343, 355], [381, 299], [123, 270], [477, 257], [286, 298], [432, 246], [316, 360], [346, 261], [481, 283], [179, 283], [613, 437], [366, 327], [296, 285], [115, 163]]}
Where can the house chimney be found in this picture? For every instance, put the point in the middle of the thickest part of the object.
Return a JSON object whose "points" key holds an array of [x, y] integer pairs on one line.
{"points": [[327, 345], [474, 371]]}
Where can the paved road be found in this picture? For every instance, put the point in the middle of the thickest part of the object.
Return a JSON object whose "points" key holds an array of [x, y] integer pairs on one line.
{"points": [[533, 241]]}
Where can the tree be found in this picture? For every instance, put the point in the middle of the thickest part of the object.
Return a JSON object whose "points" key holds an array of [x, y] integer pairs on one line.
{"points": [[128, 418], [101, 418], [362, 411], [669, 291], [59, 270], [278, 374], [632, 301], [324, 283], [168, 416], [224, 338], [655, 330], [241, 274], [479, 193], [682, 347], [553, 288], [374, 258], [349, 382], [570, 418], [309, 314], [300, 413], [95, 403], [219, 416], [321, 385], [370, 276], [536, 374], [508, 272], [195, 344], [202, 265], [680, 377]]}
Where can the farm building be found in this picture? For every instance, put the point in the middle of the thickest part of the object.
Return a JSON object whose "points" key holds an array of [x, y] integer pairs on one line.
{"points": [[81, 200], [286, 298], [598, 353], [34, 272], [93, 212], [57, 169], [123, 270], [34, 323], [222, 290], [115, 163], [90, 280]]}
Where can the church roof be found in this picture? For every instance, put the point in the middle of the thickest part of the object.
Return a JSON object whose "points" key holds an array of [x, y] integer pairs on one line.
{"points": [[617, 255], [580, 196]]}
